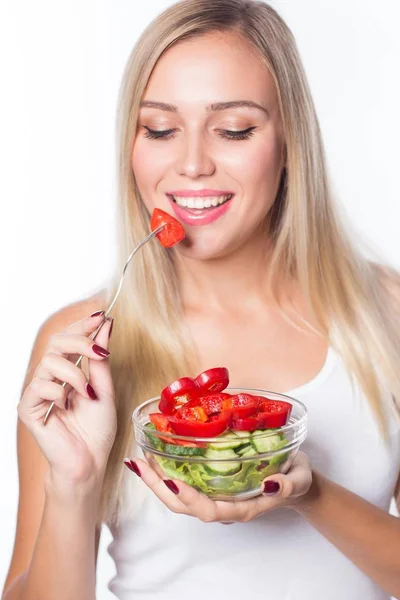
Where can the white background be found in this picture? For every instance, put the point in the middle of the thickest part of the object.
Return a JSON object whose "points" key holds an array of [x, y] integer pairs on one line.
{"points": [[60, 65]]}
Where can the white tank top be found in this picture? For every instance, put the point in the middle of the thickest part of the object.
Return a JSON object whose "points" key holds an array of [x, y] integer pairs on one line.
{"points": [[160, 555]]}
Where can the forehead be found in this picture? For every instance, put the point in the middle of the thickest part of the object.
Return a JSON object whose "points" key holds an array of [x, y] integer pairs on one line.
{"points": [[211, 68]]}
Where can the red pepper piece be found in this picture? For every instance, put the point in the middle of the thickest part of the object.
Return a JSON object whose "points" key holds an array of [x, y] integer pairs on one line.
{"points": [[274, 413], [177, 393], [161, 423], [211, 428], [242, 405], [245, 424], [173, 231], [212, 403], [191, 413], [213, 380]]}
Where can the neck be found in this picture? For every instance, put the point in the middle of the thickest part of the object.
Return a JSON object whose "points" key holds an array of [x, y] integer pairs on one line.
{"points": [[236, 280]]}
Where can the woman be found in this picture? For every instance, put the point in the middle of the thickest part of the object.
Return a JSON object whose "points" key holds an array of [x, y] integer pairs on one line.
{"points": [[269, 284]]}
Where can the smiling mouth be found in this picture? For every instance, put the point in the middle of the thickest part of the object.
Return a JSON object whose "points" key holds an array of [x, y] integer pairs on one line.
{"points": [[200, 203]]}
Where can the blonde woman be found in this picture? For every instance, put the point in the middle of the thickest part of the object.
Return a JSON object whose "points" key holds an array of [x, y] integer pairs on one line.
{"points": [[215, 105]]}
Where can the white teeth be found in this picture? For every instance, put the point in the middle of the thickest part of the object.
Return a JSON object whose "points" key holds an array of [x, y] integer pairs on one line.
{"points": [[199, 203]]}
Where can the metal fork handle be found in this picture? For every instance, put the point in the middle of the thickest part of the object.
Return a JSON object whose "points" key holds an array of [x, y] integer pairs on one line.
{"points": [[94, 334]]}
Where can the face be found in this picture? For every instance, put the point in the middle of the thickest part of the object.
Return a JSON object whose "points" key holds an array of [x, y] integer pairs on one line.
{"points": [[209, 143]]}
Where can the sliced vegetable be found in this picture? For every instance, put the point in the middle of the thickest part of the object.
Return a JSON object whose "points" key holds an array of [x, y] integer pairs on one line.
{"points": [[211, 428], [241, 405], [226, 441], [246, 424], [213, 380], [177, 393], [191, 413], [183, 450], [265, 443], [219, 467], [274, 413], [173, 231], [212, 403]]}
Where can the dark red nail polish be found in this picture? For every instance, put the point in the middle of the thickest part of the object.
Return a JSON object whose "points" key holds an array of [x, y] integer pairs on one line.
{"points": [[98, 313], [111, 327], [90, 392], [99, 350], [132, 466], [171, 486], [135, 468], [271, 487]]}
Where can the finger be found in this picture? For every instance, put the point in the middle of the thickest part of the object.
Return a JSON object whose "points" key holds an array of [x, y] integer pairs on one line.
{"points": [[294, 483], [157, 485], [99, 371], [199, 505], [49, 390], [54, 366], [66, 343]]}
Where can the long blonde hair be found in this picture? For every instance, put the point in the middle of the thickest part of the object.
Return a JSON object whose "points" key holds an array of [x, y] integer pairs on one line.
{"points": [[347, 293]]}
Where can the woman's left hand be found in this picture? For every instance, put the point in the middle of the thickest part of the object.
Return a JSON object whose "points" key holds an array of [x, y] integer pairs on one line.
{"points": [[278, 490]]}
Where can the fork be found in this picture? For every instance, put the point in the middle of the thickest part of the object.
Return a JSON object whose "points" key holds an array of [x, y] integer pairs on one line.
{"points": [[94, 334]]}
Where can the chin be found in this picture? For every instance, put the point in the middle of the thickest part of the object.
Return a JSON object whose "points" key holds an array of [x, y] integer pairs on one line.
{"points": [[203, 248]]}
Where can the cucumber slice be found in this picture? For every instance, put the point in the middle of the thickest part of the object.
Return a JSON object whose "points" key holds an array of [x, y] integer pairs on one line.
{"points": [[249, 452], [153, 439], [226, 441], [266, 443], [219, 467], [183, 450], [242, 434], [242, 449]]}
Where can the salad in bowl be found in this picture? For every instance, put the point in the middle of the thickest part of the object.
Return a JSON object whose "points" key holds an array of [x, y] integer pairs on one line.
{"points": [[222, 441]]}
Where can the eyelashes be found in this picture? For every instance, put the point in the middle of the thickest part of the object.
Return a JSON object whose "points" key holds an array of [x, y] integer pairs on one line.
{"points": [[226, 134]]}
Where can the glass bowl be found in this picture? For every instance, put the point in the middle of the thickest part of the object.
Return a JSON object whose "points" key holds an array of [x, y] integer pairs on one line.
{"points": [[227, 467]]}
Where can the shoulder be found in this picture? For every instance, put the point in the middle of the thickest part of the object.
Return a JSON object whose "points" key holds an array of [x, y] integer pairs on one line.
{"points": [[74, 311]]}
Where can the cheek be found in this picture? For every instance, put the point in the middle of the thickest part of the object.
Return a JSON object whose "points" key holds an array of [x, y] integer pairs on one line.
{"points": [[256, 165], [149, 166]]}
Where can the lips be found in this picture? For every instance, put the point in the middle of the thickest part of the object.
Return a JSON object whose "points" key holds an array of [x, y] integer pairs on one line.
{"points": [[211, 206]]}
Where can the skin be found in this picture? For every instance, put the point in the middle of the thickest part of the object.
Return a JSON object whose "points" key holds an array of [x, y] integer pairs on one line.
{"points": [[242, 329]]}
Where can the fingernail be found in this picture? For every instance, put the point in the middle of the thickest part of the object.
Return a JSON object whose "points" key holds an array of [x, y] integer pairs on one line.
{"points": [[171, 485], [132, 466], [99, 350], [98, 313], [111, 326], [271, 487], [90, 392]]}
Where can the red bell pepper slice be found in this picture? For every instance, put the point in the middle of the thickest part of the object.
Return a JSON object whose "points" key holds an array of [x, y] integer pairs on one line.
{"points": [[212, 403], [245, 424], [177, 393], [274, 413], [211, 428], [191, 413], [173, 231], [213, 380], [161, 423], [242, 405]]}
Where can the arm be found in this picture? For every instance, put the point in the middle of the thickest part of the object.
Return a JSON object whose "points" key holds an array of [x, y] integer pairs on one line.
{"points": [[42, 564], [367, 535]]}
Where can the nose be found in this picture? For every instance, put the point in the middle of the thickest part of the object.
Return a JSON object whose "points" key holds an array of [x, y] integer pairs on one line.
{"points": [[195, 160]]}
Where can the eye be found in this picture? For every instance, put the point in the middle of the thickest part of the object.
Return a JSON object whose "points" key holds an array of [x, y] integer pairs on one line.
{"points": [[156, 135], [227, 134], [244, 134]]}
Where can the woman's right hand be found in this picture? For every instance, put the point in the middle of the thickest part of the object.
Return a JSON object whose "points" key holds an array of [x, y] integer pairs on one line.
{"points": [[75, 441]]}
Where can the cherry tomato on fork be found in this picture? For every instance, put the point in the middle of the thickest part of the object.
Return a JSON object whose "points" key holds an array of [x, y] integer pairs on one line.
{"points": [[173, 231]]}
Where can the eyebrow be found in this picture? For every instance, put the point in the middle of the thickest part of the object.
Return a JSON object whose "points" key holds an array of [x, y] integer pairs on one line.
{"points": [[210, 108]]}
